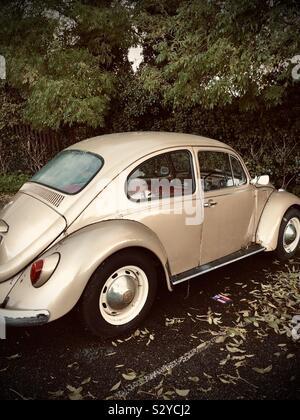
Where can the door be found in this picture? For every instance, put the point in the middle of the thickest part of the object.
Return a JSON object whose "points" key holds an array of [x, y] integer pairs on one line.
{"points": [[161, 194], [229, 205]]}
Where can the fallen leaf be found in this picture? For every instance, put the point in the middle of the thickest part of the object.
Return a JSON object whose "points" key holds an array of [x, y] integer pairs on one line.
{"points": [[159, 392], [194, 378], [205, 390], [182, 392], [13, 357], [224, 381], [263, 371], [234, 349], [169, 393], [56, 394], [240, 364], [72, 365], [220, 339], [86, 381], [115, 387], [129, 376], [75, 393], [290, 356]]}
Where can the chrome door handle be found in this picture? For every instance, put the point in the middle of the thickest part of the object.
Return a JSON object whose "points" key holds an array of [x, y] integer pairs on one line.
{"points": [[210, 203]]}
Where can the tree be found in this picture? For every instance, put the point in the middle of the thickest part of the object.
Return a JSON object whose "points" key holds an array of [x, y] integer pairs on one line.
{"points": [[64, 57], [213, 53]]}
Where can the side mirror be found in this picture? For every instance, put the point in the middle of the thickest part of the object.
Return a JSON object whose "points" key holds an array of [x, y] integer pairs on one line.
{"points": [[261, 180]]}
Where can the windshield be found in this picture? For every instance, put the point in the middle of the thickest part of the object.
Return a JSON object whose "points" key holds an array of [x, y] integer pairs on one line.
{"points": [[70, 171]]}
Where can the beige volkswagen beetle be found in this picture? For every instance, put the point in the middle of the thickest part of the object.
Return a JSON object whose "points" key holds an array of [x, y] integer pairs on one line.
{"points": [[111, 219]]}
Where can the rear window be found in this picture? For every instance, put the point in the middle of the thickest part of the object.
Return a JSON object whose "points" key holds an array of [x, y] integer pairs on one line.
{"points": [[70, 171]]}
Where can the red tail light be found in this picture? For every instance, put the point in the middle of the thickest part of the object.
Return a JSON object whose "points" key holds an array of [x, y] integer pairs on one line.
{"points": [[36, 271]]}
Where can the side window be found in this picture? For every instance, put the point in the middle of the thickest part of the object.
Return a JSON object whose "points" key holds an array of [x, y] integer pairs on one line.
{"points": [[239, 175], [215, 170], [166, 175]]}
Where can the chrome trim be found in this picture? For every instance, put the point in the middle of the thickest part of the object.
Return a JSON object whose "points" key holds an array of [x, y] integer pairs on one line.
{"points": [[210, 203], [206, 268], [22, 318], [291, 235]]}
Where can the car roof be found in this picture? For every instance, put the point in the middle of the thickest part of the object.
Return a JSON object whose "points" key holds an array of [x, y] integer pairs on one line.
{"points": [[131, 146]]}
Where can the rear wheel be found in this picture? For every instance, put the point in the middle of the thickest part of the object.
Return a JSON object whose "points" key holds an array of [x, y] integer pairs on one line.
{"points": [[289, 235], [120, 294]]}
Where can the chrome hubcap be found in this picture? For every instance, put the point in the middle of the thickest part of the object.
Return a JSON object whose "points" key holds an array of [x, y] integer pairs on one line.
{"points": [[291, 235], [121, 293], [124, 294]]}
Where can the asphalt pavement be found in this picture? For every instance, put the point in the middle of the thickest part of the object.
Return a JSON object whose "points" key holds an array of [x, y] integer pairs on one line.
{"points": [[189, 347]]}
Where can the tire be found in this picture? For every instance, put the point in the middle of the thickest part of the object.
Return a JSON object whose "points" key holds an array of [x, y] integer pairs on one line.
{"points": [[119, 294], [289, 235]]}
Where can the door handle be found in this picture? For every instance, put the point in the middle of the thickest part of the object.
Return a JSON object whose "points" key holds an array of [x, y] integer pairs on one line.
{"points": [[210, 203]]}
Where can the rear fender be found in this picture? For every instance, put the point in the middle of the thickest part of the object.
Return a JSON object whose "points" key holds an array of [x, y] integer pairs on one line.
{"points": [[81, 254], [273, 213]]}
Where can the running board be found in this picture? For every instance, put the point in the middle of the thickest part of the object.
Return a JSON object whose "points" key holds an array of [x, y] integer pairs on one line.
{"points": [[221, 262]]}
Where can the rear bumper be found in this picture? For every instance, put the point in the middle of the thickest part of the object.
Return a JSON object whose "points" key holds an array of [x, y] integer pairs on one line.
{"points": [[23, 318]]}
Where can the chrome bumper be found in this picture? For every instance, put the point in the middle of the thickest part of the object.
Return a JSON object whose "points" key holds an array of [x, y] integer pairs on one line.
{"points": [[23, 318]]}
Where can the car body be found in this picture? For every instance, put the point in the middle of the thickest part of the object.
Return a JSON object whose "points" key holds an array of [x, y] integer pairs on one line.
{"points": [[113, 218]]}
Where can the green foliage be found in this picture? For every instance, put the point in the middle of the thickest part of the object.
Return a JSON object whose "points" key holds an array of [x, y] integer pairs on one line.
{"points": [[219, 69], [76, 92], [11, 183], [268, 140], [64, 58], [213, 53], [10, 106]]}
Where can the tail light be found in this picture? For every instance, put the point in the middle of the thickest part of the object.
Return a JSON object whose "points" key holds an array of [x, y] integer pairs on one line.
{"points": [[41, 270], [36, 271]]}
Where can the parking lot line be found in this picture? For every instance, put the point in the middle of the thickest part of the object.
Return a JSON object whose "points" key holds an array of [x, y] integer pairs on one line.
{"points": [[128, 389]]}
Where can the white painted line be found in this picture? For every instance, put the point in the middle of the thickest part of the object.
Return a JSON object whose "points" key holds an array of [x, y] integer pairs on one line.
{"points": [[123, 394]]}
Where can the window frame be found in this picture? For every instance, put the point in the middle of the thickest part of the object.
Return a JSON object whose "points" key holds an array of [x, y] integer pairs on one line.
{"points": [[88, 183], [164, 152], [225, 152], [232, 156]]}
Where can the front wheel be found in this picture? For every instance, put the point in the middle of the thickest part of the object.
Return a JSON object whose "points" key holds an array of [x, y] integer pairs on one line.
{"points": [[289, 235], [120, 294]]}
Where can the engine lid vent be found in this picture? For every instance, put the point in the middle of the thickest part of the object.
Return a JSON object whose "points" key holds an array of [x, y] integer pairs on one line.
{"points": [[52, 197]]}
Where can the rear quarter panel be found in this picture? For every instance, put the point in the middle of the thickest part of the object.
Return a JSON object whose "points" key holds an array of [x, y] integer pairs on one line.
{"points": [[268, 227]]}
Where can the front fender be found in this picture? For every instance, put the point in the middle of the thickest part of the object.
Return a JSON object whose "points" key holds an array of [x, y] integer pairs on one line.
{"points": [[81, 254], [269, 224]]}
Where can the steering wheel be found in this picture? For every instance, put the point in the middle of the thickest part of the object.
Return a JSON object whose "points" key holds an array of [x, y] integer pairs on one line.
{"points": [[221, 183], [208, 184]]}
